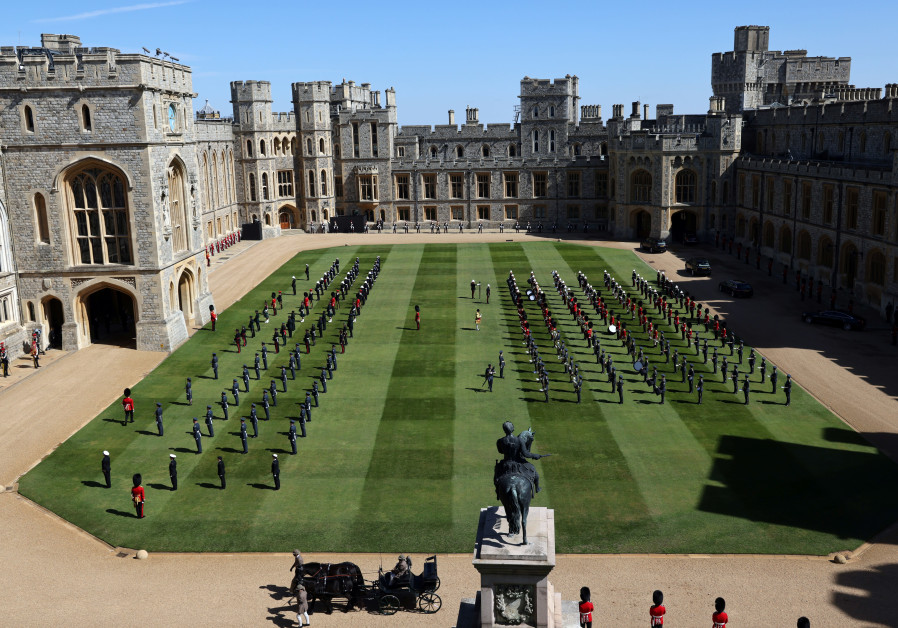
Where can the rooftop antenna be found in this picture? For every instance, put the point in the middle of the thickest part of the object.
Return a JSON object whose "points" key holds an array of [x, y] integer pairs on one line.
{"points": [[158, 51], [173, 58], [147, 50]]}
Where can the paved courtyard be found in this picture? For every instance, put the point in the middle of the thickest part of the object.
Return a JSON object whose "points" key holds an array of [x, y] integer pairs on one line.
{"points": [[54, 573]]}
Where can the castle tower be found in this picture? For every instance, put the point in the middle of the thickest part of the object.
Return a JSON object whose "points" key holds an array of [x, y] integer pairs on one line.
{"points": [[315, 190], [255, 172], [547, 110]]}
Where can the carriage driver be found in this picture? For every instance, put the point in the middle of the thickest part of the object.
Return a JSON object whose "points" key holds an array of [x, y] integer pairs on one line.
{"points": [[398, 572], [516, 450]]}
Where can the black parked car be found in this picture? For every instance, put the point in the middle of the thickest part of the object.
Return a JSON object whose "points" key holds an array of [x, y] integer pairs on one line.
{"points": [[653, 245], [698, 266], [736, 288], [834, 318]]}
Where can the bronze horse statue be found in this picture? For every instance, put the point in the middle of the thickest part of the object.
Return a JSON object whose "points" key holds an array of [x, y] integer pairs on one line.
{"points": [[325, 581], [516, 479]]}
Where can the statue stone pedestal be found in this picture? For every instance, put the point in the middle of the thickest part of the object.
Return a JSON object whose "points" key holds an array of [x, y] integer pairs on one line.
{"points": [[514, 579]]}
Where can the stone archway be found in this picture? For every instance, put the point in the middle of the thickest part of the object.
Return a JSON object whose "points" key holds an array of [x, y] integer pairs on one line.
{"points": [[187, 296], [641, 222], [683, 222], [288, 217], [106, 314], [54, 318]]}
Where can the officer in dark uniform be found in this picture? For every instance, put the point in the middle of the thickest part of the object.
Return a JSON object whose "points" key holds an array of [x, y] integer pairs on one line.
{"points": [[284, 375], [292, 433], [276, 472], [264, 356], [773, 377], [159, 417], [235, 390], [293, 285], [330, 367], [106, 466], [221, 472], [714, 360], [256, 367], [292, 368], [323, 380], [488, 376], [684, 367], [745, 388], [751, 362], [254, 419], [662, 386], [307, 272], [188, 389], [215, 365], [243, 436], [725, 369], [273, 390], [691, 378], [224, 404], [741, 348], [735, 378], [265, 405], [620, 389], [700, 388], [208, 414], [252, 326], [197, 436], [173, 471], [315, 392], [787, 388], [308, 406], [763, 369]]}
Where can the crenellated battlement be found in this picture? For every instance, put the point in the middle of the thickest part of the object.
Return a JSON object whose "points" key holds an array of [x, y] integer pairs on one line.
{"points": [[61, 62], [567, 86], [247, 91]]}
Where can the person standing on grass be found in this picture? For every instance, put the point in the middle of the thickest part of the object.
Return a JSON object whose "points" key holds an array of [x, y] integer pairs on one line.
{"points": [[418, 317], [188, 391], [477, 318], [137, 495], [586, 608], [473, 287], [173, 471], [106, 466], [159, 427], [221, 473], [197, 436], [657, 610], [128, 405], [488, 294]]}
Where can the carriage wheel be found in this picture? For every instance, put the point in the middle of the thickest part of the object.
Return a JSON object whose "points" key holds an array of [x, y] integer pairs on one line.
{"points": [[436, 584], [429, 603], [389, 604]]}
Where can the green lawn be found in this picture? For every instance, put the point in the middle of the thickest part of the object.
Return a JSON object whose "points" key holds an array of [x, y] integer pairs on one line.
{"points": [[400, 454]]}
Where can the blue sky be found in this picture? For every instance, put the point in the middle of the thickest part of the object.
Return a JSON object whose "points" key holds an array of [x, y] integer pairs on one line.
{"points": [[441, 56]]}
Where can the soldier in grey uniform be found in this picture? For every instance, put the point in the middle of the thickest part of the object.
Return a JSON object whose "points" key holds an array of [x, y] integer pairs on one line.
{"points": [[235, 390], [173, 471], [159, 417], [243, 436], [292, 433], [197, 436], [215, 365], [224, 404]]}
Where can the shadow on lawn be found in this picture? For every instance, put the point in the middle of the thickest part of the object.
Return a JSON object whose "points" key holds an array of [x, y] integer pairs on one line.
{"points": [[92, 484], [833, 491], [121, 513]]}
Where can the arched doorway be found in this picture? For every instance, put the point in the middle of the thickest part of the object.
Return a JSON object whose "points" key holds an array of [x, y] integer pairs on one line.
{"points": [[683, 222], [108, 316], [186, 296], [54, 318], [642, 224], [287, 217]]}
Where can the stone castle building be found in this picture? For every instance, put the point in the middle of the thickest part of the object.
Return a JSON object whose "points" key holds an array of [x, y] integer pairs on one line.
{"points": [[112, 186]]}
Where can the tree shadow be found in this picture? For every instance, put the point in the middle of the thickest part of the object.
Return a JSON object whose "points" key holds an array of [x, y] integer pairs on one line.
{"points": [[121, 513], [92, 484]]}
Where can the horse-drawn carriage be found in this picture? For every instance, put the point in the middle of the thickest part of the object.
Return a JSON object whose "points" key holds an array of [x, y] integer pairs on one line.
{"points": [[410, 592], [325, 581]]}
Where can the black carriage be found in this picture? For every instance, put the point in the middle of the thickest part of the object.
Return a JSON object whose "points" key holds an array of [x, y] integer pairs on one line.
{"points": [[410, 592]]}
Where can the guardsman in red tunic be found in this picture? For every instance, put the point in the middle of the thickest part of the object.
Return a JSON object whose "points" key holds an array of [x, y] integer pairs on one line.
{"points": [[719, 617], [586, 608], [657, 610]]}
